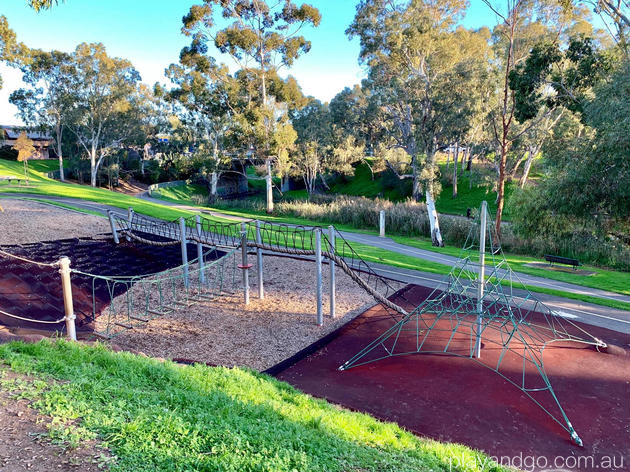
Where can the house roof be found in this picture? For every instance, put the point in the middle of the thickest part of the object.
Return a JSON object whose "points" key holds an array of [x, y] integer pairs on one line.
{"points": [[13, 132]]}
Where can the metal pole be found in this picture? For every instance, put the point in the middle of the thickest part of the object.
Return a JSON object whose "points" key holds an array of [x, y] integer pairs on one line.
{"points": [[381, 224], [482, 275], [318, 285], [202, 272], [331, 263], [244, 265], [64, 270], [259, 262], [112, 224], [184, 244]]}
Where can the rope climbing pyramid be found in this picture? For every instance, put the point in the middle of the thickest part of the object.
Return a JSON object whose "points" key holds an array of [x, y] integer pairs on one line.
{"points": [[478, 315]]}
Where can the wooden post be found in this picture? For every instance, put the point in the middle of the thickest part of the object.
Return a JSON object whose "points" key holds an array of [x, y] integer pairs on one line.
{"points": [[244, 265], [482, 276], [64, 270], [381, 224], [129, 221], [202, 273], [184, 245], [259, 262], [318, 284], [331, 263], [112, 224]]}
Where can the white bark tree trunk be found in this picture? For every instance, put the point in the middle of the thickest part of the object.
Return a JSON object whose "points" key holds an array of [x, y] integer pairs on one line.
{"points": [[436, 235], [269, 187], [59, 131], [455, 169], [214, 180], [528, 165]]}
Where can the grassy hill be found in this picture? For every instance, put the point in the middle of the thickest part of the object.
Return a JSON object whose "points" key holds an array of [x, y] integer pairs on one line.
{"points": [[159, 416], [386, 186], [40, 184]]}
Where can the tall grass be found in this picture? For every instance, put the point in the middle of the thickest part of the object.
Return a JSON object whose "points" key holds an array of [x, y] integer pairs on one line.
{"points": [[409, 218]]}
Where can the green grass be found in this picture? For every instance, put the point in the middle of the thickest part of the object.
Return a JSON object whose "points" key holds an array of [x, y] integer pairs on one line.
{"points": [[159, 416], [610, 280], [42, 185], [181, 193], [44, 165], [470, 197], [39, 184]]}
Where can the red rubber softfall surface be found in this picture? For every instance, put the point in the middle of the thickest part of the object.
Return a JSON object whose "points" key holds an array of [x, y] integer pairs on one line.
{"points": [[456, 399]]}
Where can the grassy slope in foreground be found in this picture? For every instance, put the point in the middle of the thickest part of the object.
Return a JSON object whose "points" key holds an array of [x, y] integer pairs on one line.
{"points": [[162, 416]]}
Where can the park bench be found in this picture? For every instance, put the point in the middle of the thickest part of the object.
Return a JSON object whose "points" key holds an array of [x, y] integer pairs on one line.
{"points": [[10, 179], [562, 260]]}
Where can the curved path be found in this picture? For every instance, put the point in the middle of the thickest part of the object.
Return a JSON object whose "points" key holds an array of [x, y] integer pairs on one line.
{"points": [[576, 310]]}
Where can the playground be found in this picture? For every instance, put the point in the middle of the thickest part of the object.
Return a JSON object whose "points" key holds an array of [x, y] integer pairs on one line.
{"points": [[258, 294]]}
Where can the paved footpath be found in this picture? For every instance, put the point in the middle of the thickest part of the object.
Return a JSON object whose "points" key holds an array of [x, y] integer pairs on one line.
{"points": [[597, 315]]}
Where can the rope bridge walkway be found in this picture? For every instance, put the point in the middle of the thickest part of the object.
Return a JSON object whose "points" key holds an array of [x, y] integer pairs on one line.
{"points": [[471, 306], [276, 238]]}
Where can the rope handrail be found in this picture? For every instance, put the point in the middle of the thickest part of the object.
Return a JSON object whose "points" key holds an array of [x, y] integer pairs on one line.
{"points": [[2, 312], [29, 261], [275, 237]]}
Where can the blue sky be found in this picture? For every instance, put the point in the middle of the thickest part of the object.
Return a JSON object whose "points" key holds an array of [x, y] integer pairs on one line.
{"points": [[147, 32]]}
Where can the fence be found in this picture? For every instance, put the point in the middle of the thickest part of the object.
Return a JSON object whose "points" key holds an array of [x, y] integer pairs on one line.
{"points": [[64, 271]]}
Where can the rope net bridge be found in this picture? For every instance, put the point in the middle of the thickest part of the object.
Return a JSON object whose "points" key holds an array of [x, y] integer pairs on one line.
{"points": [[477, 315], [262, 237]]}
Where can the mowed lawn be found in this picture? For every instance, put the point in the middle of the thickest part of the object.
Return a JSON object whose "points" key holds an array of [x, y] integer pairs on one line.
{"points": [[40, 184], [160, 416]]}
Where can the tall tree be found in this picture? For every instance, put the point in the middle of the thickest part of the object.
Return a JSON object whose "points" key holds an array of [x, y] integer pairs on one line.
{"points": [[207, 95], [262, 37], [523, 23], [46, 104], [11, 51], [102, 90], [415, 59]]}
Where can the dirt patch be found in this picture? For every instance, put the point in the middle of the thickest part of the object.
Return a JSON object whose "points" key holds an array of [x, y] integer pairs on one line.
{"points": [[227, 332], [27, 222], [24, 444]]}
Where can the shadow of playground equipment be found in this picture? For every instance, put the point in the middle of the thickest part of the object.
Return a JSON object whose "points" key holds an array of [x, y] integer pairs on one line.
{"points": [[35, 292]]}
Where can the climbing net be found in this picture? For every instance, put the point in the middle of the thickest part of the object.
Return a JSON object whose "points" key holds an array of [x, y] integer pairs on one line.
{"points": [[514, 328], [132, 302]]}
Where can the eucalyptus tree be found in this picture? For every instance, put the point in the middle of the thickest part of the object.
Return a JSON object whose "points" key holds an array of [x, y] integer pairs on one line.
{"points": [[47, 103], [522, 25], [102, 88], [11, 51], [262, 37], [207, 95], [313, 125], [415, 59]]}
